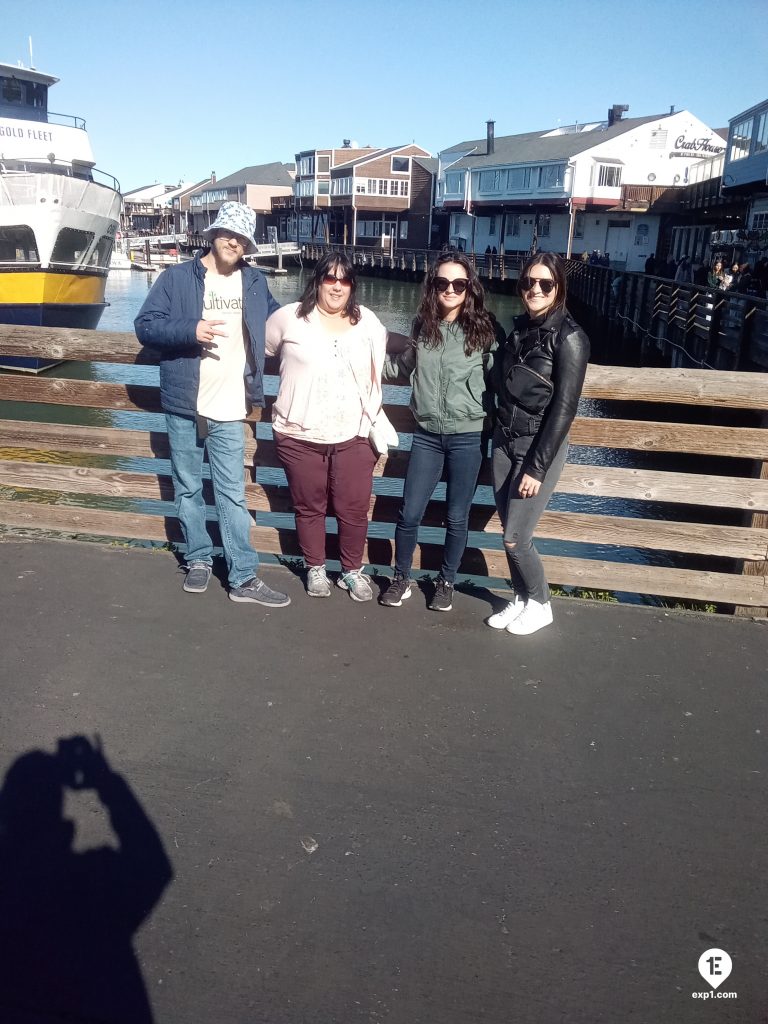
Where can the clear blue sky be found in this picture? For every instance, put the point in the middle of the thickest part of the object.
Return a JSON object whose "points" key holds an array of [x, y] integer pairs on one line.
{"points": [[173, 89]]}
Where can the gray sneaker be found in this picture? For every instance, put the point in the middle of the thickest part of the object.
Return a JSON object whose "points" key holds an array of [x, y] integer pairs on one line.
{"points": [[399, 590], [256, 591], [358, 586], [317, 582], [198, 575], [442, 600]]}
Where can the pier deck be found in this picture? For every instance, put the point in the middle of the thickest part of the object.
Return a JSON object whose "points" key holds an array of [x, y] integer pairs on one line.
{"points": [[393, 815]]}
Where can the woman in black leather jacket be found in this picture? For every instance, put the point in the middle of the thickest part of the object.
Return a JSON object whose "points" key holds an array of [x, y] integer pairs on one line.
{"points": [[537, 377]]}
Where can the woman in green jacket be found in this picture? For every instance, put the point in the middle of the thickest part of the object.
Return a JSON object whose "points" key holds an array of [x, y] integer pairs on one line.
{"points": [[446, 363]]}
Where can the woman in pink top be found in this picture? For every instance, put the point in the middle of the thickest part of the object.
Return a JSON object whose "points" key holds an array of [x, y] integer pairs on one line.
{"points": [[331, 358]]}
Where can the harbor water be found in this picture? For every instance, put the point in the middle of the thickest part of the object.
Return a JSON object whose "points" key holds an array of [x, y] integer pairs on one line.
{"points": [[395, 303]]}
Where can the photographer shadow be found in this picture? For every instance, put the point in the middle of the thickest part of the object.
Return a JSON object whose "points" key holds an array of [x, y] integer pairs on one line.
{"points": [[67, 918]]}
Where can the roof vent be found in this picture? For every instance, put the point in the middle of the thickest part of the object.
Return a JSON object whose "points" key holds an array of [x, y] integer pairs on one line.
{"points": [[346, 144]]}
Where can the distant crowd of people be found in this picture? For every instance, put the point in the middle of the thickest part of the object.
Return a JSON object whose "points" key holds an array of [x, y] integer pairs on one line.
{"points": [[740, 276]]}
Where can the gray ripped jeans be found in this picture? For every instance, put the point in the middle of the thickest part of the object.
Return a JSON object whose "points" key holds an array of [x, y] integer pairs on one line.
{"points": [[520, 516]]}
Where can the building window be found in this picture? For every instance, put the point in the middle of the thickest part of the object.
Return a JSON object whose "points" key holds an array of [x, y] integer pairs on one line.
{"points": [[761, 138], [383, 186], [401, 164], [641, 234], [609, 176], [323, 164], [371, 186], [760, 221], [491, 226], [490, 181], [360, 186], [543, 225], [518, 178], [453, 183], [455, 221], [741, 135], [552, 176], [578, 224], [323, 188], [513, 225], [403, 230]]}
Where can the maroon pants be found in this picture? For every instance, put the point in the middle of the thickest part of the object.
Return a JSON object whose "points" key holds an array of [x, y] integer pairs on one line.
{"points": [[323, 475]]}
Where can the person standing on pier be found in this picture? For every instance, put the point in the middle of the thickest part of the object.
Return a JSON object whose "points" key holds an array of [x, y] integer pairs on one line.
{"points": [[206, 318], [537, 377], [446, 364], [331, 353]]}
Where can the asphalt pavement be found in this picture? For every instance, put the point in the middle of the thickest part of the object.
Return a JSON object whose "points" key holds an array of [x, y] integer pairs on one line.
{"points": [[338, 812]]}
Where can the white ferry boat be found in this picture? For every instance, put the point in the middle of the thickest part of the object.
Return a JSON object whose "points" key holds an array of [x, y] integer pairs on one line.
{"points": [[58, 214]]}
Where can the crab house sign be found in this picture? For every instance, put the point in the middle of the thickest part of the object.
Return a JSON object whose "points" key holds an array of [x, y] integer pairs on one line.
{"points": [[695, 149]]}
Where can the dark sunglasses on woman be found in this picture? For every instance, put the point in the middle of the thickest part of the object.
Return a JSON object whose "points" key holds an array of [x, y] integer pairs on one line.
{"points": [[459, 284], [527, 283], [331, 279]]}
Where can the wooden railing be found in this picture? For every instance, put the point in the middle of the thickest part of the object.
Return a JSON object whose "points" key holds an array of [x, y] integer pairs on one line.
{"points": [[46, 491]]}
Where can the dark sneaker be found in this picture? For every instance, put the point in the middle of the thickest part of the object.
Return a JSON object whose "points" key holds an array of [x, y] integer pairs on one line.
{"points": [[256, 591], [317, 581], [355, 582], [198, 575], [442, 600], [399, 590]]}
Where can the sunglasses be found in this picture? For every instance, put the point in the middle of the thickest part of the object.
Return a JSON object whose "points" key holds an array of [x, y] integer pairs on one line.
{"points": [[527, 283], [460, 284], [331, 279]]}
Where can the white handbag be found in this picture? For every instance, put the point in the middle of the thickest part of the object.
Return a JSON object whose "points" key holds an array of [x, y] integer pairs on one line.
{"points": [[382, 434]]}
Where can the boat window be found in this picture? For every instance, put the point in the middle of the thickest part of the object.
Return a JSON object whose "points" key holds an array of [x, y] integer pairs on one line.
{"points": [[17, 244], [102, 252], [71, 246], [11, 90]]}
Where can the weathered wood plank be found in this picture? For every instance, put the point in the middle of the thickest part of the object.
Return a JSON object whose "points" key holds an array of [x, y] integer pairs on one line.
{"points": [[689, 538], [678, 386], [79, 393], [738, 442], [683, 438], [631, 578], [595, 481], [652, 384]]}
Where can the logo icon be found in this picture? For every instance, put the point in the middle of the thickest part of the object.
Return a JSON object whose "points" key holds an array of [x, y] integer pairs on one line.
{"points": [[714, 966]]}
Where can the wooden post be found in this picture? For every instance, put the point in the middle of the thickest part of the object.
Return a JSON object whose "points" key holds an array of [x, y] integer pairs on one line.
{"points": [[758, 520]]}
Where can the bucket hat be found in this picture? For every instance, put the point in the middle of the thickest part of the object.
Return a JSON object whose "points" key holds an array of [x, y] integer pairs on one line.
{"points": [[237, 218]]}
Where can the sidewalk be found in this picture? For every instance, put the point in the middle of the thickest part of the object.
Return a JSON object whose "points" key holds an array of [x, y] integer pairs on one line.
{"points": [[396, 815]]}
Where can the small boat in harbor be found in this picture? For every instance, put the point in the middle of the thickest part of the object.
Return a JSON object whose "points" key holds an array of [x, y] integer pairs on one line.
{"points": [[58, 214]]}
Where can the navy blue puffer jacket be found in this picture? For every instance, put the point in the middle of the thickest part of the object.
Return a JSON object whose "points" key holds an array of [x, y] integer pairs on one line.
{"points": [[167, 322]]}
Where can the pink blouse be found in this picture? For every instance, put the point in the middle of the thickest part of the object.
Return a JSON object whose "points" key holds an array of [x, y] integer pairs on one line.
{"points": [[330, 388]]}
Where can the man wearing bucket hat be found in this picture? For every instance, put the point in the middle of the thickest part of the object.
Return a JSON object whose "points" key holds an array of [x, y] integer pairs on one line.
{"points": [[206, 319]]}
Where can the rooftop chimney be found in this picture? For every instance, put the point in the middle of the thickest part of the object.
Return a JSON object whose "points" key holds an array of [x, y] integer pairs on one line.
{"points": [[490, 142], [213, 177], [614, 114], [672, 109]]}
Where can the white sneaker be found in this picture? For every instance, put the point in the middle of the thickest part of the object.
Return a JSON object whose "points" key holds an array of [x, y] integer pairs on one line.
{"points": [[317, 582], [532, 618], [355, 582], [509, 612]]}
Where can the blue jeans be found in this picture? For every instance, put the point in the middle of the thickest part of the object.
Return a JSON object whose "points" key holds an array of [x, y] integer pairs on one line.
{"points": [[461, 455], [226, 456]]}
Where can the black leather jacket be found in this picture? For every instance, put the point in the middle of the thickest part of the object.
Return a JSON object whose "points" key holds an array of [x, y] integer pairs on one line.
{"points": [[537, 378]]}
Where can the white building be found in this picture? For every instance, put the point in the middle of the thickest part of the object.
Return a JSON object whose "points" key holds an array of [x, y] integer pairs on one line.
{"points": [[573, 188]]}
